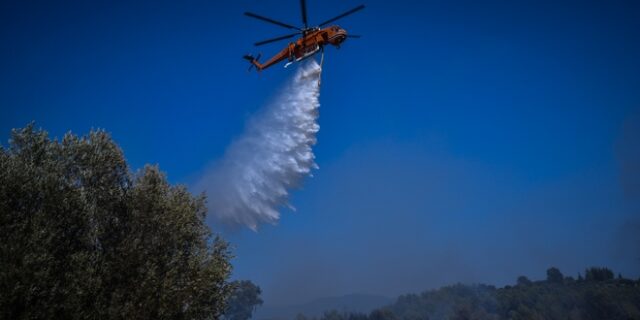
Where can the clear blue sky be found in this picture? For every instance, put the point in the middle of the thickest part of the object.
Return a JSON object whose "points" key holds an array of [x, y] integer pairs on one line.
{"points": [[467, 141]]}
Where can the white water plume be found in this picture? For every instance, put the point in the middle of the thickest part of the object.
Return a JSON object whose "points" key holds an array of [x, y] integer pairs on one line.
{"points": [[251, 183]]}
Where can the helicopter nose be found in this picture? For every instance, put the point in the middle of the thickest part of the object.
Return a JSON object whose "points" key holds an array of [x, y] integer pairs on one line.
{"points": [[339, 36]]}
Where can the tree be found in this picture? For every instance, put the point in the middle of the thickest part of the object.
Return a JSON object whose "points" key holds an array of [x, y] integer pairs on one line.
{"points": [[334, 315], [523, 281], [359, 316], [598, 274], [82, 237], [300, 316], [554, 275], [381, 314], [599, 305], [243, 301]]}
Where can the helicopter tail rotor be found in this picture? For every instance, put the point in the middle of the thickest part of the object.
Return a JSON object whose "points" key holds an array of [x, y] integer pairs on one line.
{"points": [[254, 61]]}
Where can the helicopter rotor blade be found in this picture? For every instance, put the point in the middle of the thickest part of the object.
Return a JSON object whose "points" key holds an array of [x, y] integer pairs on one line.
{"points": [[259, 17], [358, 8], [276, 39], [303, 7]]}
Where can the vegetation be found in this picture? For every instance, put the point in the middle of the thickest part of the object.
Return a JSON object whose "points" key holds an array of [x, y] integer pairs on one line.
{"points": [[82, 237], [597, 296], [243, 301]]}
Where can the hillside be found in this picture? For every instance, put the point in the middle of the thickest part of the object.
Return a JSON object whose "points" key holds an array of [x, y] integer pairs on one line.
{"points": [[352, 303], [599, 295]]}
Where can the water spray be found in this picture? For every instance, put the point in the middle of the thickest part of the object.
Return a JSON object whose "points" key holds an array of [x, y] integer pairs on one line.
{"points": [[251, 184]]}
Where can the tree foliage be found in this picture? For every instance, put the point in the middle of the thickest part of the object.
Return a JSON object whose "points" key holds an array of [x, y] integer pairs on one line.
{"points": [[554, 275], [243, 300], [598, 297], [82, 237], [523, 281], [598, 274]]}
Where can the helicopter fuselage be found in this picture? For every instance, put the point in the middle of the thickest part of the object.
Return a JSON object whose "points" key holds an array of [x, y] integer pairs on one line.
{"points": [[312, 41]]}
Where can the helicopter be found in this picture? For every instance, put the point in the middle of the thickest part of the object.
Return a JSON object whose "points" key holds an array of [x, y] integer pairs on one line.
{"points": [[312, 40]]}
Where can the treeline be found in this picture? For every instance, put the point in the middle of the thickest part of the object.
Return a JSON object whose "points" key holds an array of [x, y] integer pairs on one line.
{"points": [[597, 295]]}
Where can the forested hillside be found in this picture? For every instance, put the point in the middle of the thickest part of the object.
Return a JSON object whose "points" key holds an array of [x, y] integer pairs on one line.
{"points": [[597, 295]]}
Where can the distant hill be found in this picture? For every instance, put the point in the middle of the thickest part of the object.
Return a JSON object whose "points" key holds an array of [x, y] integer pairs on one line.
{"points": [[597, 295], [352, 303]]}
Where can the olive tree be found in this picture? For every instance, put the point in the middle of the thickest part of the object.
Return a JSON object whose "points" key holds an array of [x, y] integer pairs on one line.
{"points": [[81, 237]]}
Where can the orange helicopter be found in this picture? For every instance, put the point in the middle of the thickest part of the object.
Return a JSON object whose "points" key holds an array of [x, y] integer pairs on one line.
{"points": [[313, 39]]}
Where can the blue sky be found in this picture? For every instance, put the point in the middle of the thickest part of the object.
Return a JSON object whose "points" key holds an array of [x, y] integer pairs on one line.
{"points": [[460, 140]]}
